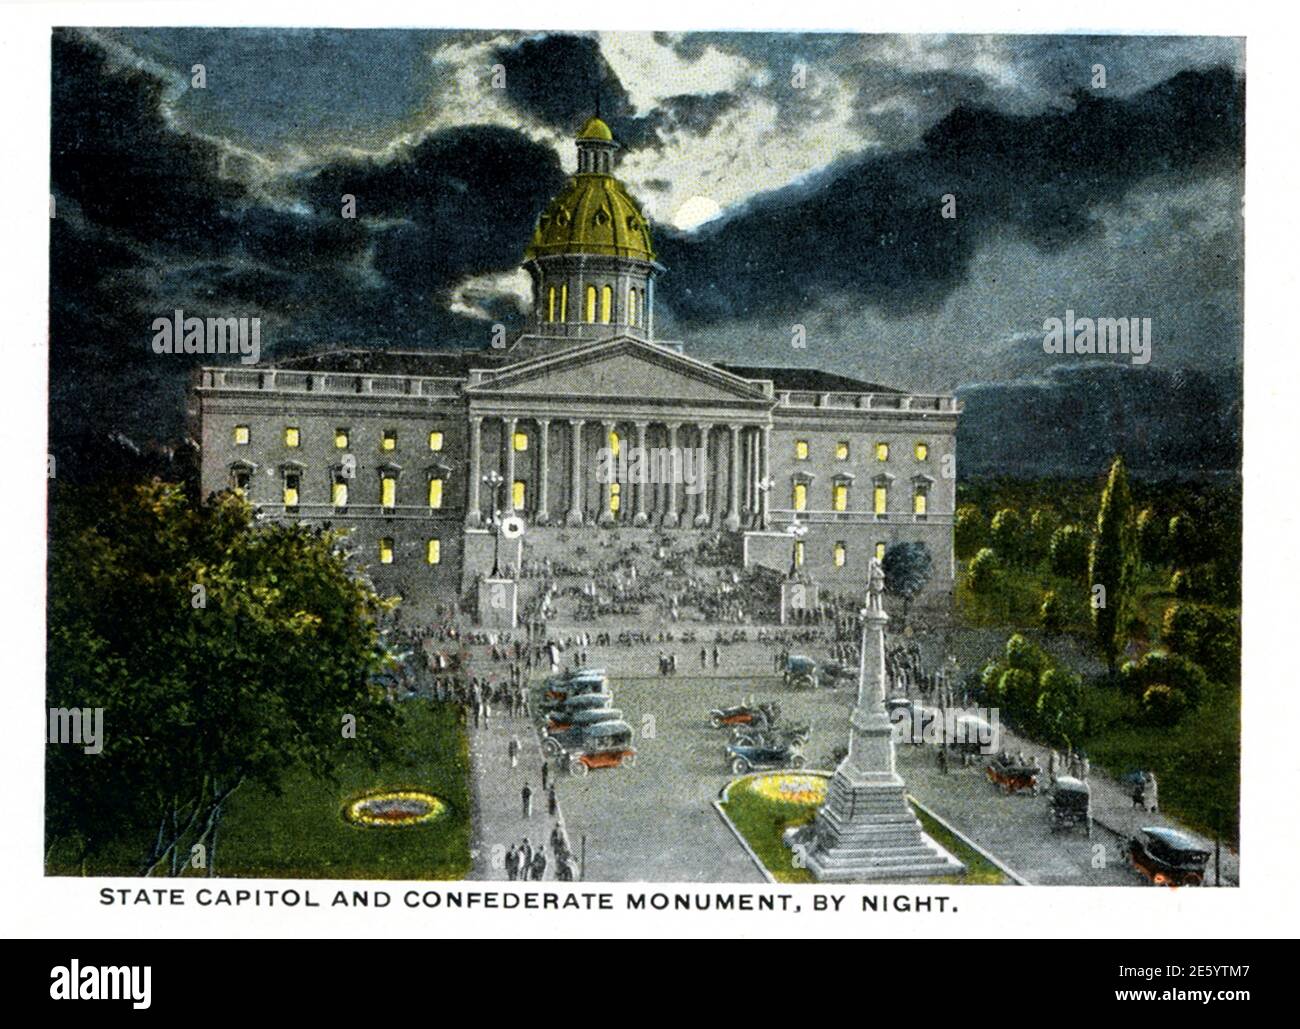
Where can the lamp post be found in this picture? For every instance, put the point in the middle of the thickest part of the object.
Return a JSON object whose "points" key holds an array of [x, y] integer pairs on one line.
{"points": [[493, 480], [796, 530]]}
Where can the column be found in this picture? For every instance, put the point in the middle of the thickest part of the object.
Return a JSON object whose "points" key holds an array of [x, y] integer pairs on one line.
{"points": [[606, 517], [474, 516], [543, 472], [670, 520], [574, 517], [643, 478], [764, 517], [733, 509], [702, 517], [508, 428]]}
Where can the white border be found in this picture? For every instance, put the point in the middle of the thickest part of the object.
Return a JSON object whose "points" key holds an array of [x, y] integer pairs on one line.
{"points": [[1265, 905]]}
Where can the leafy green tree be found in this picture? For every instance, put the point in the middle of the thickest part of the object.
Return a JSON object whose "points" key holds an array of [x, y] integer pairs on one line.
{"points": [[1112, 564], [1007, 535], [1051, 614], [223, 653], [1183, 540], [1038, 538], [907, 567], [970, 531], [1159, 667], [1069, 553], [1151, 538], [1163, 705], [983, 572]]}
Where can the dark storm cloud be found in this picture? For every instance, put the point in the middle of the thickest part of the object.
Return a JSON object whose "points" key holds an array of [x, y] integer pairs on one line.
{"points": [[872, 227]]}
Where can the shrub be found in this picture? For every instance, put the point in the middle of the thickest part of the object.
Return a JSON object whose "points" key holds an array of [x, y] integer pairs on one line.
{"points": [[1050, 614], [983, 571], [1069, 552], [1164, 705]]}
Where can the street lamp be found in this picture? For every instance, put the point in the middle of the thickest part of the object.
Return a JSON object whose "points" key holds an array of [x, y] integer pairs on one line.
{"points": [[796, 530], [493, 480]]}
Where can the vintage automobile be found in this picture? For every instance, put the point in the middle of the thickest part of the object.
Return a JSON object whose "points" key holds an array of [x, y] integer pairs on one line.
{"points": [[1168, 857], [604, 745], [800, 672], [760, 716], [578, 702], [575, 684], [744, 758], [1013, 777], [560, 721], [749, 734], [1070, 804], [837, 673]]}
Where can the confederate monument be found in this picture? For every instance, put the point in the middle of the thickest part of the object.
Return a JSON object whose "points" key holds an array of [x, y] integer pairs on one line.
{"points": [[866, 830]]}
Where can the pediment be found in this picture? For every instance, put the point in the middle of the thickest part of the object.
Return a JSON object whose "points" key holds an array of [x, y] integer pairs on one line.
{"points": [[622, 368]]}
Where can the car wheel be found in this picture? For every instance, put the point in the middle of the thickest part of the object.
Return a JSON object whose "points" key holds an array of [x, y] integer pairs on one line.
{"points": [[739, 766], [577, 768], [798, 761], [551, 747], [716, 721]]}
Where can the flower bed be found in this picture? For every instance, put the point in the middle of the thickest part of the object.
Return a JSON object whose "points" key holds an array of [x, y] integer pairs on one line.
{"points": [[393, 808]]}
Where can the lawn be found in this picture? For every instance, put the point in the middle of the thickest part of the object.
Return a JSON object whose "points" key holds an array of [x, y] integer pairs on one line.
{"points": [[302, 834], [763, 822]]}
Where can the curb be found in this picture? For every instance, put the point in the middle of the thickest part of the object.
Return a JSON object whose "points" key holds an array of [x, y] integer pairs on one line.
{"points": [[1001, 866]]}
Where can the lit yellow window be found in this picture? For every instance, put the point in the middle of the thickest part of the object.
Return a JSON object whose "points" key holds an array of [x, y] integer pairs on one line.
{"points": [[918, 504], [842, 450], [564, 302], [390, 439], [613, 444], [435, 493], [435, 441], [801, 450], [606, 304], [631, 305], [882, 499], [291, 436], [521, 441], [591, 304], [341, 439], [241, 435], [840, 554], [801, 496], [798, 552], [339, 494], [388, 491], [550, 311], [882, 451], [922, 451], [386, 550], [840, 496], [433, 553], [614, 497], [880, 551], [518, 493], [291, 492]]}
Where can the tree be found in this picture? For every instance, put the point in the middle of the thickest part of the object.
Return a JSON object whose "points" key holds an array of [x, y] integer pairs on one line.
{"points": [[1038, 539], [1050, 614], [1007, 535], [1112, 564], [222, 653], [983, 571], [970, 531], [1151, 538], [1069, 552], [1183, 540], [907, 567]]}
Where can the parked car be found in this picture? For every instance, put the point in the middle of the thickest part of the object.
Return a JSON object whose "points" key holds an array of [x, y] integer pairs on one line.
{"points": [[561, 721], [1168, 857], [760, 716], [745, 757], [578, 702], [604, 745], [576, 683]]}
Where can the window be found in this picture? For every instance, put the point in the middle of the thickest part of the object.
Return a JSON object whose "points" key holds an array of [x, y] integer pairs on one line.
{"points": [[842, 450], [881, 500], [880, 551], [291, 483], [521, 442], [435, 441], [390, 439], [550, 306], [613, 443], [798, 553], [918, 502], [882, 451], [339, 493], [291, 436], [386, 550], [241, 479], [840, 496], [433, 552], [801, 450], [631, 305], [606, 304], [801, 496], [840, 555], [388, 491], [241, 435], [518, 494], [590, 313], [435, 493], [615, 498], [340, 439], [923, 451], [564, 302]]}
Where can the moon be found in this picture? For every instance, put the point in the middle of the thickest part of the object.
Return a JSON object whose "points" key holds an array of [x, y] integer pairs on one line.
{"points": [[696, 211]]}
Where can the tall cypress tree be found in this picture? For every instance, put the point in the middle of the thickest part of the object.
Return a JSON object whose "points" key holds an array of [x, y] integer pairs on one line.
{"points": [[1113, 563]]}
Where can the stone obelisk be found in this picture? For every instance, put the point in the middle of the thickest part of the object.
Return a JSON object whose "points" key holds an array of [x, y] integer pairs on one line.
{"points": [[866, 830]]}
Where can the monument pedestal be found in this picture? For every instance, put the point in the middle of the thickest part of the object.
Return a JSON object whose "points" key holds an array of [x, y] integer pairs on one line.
{"points": [[866, 831], [498, 603]]}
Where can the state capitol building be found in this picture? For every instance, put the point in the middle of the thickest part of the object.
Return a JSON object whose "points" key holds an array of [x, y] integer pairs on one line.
{"points": [[400, 447]]}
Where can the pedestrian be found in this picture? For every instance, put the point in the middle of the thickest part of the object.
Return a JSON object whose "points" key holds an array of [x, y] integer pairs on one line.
{"points": [[1153, 803], [512, 863], [717, 655], [943, 760], [539, 864], [552, 802], [546, 773], [514, 751], [1085, 768], [704, 658], [526, 795], [525, 858]]}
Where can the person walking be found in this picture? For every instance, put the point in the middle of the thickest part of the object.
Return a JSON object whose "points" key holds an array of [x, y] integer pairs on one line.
{"points": [[525, 858], [546, 773], [539, 864], [514, 751], [552, 802], [512, 863], [526, 795]]}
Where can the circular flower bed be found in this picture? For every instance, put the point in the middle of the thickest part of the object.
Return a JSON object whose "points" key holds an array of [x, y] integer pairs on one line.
{"points": [[393, 808], [791, 788]]}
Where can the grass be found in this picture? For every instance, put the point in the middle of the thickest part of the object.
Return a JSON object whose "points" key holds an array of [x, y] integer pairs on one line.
{"points": [[301, 834], [763, 822]]}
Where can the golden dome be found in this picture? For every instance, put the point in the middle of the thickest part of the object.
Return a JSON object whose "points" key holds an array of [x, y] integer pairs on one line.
{"points": [[593, 214], [596, 129]]}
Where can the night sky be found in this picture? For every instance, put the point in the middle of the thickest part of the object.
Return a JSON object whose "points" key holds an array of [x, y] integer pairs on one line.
{"points": [[771, 204]]}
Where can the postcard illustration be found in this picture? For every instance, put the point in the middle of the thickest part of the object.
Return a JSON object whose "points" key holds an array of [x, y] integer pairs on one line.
{"points": [[673, 457]]}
